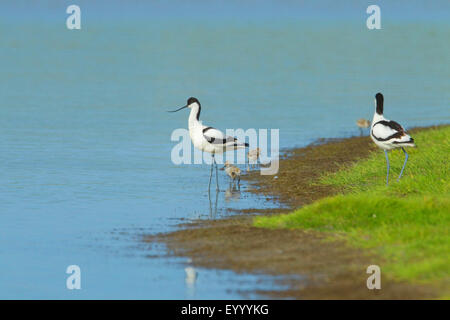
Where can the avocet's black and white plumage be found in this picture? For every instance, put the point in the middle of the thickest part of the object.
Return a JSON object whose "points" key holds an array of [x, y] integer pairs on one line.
{"points": [[388, 134], [208, 139]]}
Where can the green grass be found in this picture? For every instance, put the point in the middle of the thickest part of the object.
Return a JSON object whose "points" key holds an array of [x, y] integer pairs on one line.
{"points": [[407, 223]]}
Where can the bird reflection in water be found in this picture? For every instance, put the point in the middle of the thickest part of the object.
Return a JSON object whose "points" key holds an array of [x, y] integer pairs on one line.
{"points": [[213, 208], [232, 193], [190, 280]]}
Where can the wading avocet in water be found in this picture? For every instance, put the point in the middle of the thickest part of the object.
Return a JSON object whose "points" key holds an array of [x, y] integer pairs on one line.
{"points": [[208, 139], [388, 134]]}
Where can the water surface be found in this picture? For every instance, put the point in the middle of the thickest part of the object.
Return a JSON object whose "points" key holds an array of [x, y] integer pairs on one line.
{"points": [[85, 139]]}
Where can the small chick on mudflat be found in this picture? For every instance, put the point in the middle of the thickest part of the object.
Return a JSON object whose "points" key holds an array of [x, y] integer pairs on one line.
{"points": [[253, 156], [232, 171]]}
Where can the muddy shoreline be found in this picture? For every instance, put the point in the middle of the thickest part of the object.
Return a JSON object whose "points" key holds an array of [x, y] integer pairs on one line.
{"points": [[328, 269]]}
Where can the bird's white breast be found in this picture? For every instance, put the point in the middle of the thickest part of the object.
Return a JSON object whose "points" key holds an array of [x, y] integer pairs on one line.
{"points": [[196, 134]]}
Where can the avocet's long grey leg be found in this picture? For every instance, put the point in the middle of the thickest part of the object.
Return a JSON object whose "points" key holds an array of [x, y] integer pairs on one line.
{"points": [[387, 163], [210, 205], [404, 163], [217, 176], [210, 174]]}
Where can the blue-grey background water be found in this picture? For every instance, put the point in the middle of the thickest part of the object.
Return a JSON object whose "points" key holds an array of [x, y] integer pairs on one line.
{"points": [[85, 137]]}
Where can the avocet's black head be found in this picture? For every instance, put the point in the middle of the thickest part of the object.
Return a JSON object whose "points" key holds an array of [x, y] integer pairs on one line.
{"points": [[191, 102], [379, 100]]}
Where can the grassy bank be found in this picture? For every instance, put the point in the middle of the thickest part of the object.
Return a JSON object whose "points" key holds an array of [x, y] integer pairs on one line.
{"points": [[407, 223]]}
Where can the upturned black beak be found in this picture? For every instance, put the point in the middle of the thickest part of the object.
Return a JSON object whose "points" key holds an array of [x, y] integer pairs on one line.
{"points": [[178, 109]]}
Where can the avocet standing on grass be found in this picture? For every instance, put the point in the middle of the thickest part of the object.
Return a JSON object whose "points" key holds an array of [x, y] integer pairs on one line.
{"points": [[388, 134], [208, 139]]}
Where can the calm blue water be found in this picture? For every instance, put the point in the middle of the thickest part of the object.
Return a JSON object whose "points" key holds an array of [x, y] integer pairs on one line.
{"points": [[85, 139]]}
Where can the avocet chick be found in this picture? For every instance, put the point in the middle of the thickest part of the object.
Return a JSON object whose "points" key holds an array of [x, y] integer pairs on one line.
{"points": [[253, 156], [232, 171], [362, 124]]}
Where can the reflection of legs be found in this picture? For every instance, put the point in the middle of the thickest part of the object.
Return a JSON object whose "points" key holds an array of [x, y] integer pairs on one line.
{"points": [[404, 164], [210, 205], [387, 163], [213, 209], [215, 204]]}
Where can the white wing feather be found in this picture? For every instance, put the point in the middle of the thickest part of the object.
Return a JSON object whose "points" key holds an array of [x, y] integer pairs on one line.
{"points": [[382, 132], [217, 135]]}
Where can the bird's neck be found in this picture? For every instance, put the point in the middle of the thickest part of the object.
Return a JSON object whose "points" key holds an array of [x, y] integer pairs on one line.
{"points": [[194, 116], [377, 117]]}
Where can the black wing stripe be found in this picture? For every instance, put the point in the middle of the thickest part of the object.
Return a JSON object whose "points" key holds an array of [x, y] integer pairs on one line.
{"points": [[212, 139], [237, 144], [393, 125], [219, 141], [215, 140]]}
